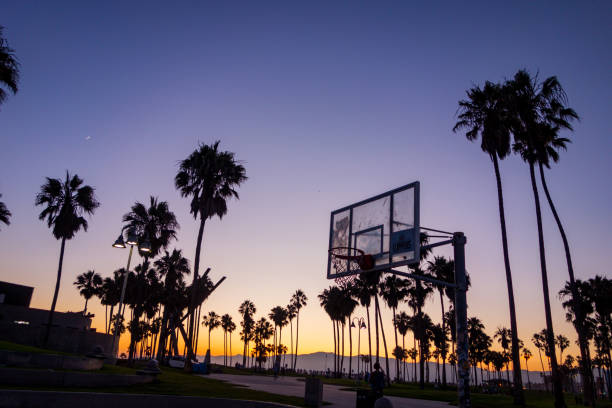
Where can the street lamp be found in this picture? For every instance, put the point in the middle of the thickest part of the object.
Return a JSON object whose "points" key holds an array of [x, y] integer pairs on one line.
{"points": [[361, 324], [132, 240]]}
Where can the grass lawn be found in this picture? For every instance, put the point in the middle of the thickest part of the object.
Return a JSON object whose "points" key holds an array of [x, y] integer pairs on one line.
{"points": [[175, 382], [7, 345]]}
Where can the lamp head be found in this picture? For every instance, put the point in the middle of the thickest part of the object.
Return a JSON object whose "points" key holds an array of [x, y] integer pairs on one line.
{"points": [[119, 242], [353, 324], [363, 326], [132, 239], [145, 246]]}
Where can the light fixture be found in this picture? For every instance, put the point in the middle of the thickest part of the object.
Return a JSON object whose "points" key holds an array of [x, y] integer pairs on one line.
{"points": [[145, 246], [363, 326], [353, 324], [119, 242], [132, 239]]}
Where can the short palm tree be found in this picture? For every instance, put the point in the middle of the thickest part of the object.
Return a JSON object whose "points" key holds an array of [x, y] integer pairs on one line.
{"points": [[9, 68], [484, 114], [393, 290], [109, 294], [298, 300], [89, 284], [527, 355], [210, 177], [538, 113], [5, 214], [65, 204]]}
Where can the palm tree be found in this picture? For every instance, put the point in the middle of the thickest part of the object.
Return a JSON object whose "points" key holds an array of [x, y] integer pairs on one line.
{"points": [[172, 268], [527, 356], [157, 224], [9, 68], [298, 300], [210, 178], [64, 203], [226, 323], [5, 214], [539, 340], [330, 300], [110, 292], [444, 270], [89, 285], [402, 324], [362, 292], [485, 114], [212, 321], [539, 113], [503, 336], [230, 329], [279, 317], [247, 310], [394, 290], [563, 343], [291, 314]]}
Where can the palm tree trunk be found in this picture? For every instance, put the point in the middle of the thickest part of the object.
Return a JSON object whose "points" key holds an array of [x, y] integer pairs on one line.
{"points": [[528, 381], [297, 337], [194, 297], [230, 344], [382, 330], [110, 320], [376, 324], [519, 397], [55, 293], [444, 344], [369, 336], [106, 318], [342, 361], [543, 370], [550, 335], [335, 346], [350, 372], [85, 309], [397, 367], [291, 329], [585, 366]]}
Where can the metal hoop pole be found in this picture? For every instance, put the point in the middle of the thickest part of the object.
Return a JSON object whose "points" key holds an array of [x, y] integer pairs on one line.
{"points": [[463, 364]]}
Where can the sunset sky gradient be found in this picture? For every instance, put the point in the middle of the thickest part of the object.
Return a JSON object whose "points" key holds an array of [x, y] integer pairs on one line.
{"points": [[325, 103]]}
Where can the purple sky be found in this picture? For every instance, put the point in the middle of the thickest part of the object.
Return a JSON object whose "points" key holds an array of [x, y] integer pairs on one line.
{"points": [[326, 104]]}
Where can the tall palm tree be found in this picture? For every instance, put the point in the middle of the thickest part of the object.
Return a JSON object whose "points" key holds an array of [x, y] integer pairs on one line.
{"points": [[279, 317], [444, 270], [247, 310], [231, 327], [226, 323], [402, 323], [89, 284], [5, 214], [65, 204], [330, 301], [393, 290], [212, 321], [291, 314], [156, 223], [210, 178], [538, 114], [362, 292], [298, 300], [484, 114], [9, 68], [504, 336]]}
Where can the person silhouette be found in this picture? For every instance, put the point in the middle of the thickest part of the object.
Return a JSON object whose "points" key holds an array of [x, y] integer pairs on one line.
{"points": [[377, 381]]}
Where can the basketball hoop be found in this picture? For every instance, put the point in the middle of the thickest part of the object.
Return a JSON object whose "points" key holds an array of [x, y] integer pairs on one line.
{"points": [[345, 259]]}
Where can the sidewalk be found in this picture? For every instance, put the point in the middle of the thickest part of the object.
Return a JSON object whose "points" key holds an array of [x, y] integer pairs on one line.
{"points": [[331, 393]]}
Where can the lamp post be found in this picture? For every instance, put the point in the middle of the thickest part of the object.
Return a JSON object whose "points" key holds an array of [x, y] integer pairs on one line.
{"points": [[119, 243], [362, 325]]}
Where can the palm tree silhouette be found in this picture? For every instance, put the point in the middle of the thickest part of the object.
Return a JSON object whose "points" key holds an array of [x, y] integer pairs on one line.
{"points": [[247, 310], [362, 292], [9, 69], [5, 214], [444, 270], [89, 284], [527, 356], [291, 314], [212, 321], [402, 324], [210, 178], [279, 317], [172, 268], [226, 324], [330, 300], [109, 294], [504, 338], [230, 329], [563, 343], [484, 114], [538, 114], [393, 290], [298, 300], [64, 203]]}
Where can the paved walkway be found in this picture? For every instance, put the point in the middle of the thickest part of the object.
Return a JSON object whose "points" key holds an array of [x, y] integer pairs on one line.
{"points": [[331, 393]]}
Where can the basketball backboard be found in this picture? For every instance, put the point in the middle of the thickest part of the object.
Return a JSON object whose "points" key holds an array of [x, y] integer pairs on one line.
{"points": [[385, 226]]}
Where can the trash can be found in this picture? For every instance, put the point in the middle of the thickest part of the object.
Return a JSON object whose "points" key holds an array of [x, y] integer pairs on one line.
{"points": [[313, 395]]}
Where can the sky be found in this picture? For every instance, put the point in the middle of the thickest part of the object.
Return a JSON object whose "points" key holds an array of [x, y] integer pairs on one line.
{"points": [[325, 103]]}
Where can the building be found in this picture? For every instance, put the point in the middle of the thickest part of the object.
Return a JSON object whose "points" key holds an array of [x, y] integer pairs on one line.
{"points": [[70, 331]]}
